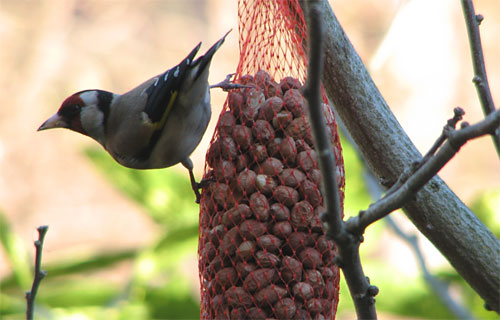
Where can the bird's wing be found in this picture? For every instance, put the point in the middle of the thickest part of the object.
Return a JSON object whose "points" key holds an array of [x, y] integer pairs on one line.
{"points": [[161, 95]]}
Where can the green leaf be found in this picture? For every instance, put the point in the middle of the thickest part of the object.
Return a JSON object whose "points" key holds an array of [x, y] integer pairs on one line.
{"points": [[75, 266], [12, 305], [486, 206], [173, 237], [165, 194], [175, 301], [356, 194], [79, 291], [16, 253]]}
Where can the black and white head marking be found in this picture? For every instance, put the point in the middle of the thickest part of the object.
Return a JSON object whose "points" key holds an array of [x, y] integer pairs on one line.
{"points": [[95, 113]]}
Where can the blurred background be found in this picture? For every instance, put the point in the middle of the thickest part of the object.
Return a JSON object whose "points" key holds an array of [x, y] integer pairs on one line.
{"points": [[122, 244]]}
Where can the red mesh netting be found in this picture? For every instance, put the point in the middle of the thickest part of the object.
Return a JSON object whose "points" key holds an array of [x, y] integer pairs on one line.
{"points": [[262, 248]]}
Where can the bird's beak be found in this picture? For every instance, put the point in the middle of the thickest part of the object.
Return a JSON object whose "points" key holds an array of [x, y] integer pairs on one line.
{"points": [[56, 121]]}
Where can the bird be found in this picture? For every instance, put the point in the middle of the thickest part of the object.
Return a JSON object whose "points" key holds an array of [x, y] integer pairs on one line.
{"points": [[155, 125]]}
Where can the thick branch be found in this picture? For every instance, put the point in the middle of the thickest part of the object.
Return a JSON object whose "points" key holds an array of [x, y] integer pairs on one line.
{"points": [[376, 192], [480, 78], [437, 212], [397, 198]]}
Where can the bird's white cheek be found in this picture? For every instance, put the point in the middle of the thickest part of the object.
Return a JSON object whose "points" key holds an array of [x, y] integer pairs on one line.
{"points": [[93, 123]]}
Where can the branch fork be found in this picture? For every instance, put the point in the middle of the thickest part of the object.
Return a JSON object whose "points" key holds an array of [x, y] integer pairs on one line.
{"points": [[348, 235]]}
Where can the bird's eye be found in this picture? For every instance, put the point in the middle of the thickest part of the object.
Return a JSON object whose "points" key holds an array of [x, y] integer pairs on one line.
{"points": [[70, 111], [74, 109]]}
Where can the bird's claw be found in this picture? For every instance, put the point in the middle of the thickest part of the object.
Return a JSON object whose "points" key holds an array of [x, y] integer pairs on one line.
{"points": [[204, 182], [227, 85], [200, 185]]}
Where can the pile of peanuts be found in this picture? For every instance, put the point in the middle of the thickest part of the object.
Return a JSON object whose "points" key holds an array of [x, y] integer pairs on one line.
{"points": [[263, 251]]}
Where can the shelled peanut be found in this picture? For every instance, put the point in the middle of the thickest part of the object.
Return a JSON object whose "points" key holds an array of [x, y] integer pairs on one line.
{"points": [[263, 252]]}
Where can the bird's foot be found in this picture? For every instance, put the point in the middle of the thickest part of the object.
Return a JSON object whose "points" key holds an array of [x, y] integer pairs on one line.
{"points": [[200, 185], [205, 182], [227, 85]]}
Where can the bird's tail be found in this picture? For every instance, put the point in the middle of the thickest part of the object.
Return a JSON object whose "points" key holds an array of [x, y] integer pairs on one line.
{"points": [[205, 60]]}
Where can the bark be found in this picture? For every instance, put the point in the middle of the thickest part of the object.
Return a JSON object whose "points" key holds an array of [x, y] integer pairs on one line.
{"points": [[436, 211]]}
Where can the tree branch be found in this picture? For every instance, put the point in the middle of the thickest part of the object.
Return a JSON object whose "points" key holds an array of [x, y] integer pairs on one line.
{"points": [[312, 92], [458, 113], [436, 211], [376, 191], [39, 273], [480, 78], [407, 190], [450, 125], [348, 258]]}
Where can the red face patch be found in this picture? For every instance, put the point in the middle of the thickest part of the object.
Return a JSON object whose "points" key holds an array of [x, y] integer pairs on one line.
{"points": [[70, 101], [70, 111]]}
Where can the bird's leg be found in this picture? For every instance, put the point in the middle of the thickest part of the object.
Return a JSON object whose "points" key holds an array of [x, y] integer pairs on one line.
{"points": [[227, 85], [188, 164], [196, 186]]}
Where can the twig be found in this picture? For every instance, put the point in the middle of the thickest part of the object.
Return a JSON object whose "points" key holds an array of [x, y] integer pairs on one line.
{"points": [[376, 191], [450, 125], [458, 114], [39, 273], [348, 259], [480, 78], [439, 214], [312, 92], [397, 198]]}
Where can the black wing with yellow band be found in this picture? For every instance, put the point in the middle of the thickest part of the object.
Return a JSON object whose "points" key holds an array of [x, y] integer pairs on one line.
{"points": [[163, 92]]}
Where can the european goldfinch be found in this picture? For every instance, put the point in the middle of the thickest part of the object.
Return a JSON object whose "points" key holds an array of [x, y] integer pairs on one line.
{"points": [[155, 125]]}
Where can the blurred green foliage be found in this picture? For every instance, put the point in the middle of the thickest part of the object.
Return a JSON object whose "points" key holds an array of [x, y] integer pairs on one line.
{"points": [[486, 206], [16, 253], [400, 294], [160, 287]]}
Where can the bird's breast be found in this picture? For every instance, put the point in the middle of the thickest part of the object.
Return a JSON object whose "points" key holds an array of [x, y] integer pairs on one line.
{"points": [[183, 132]]}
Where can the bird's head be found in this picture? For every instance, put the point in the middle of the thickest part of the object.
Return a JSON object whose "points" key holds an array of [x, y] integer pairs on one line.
{"points": [[84, 112]]}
